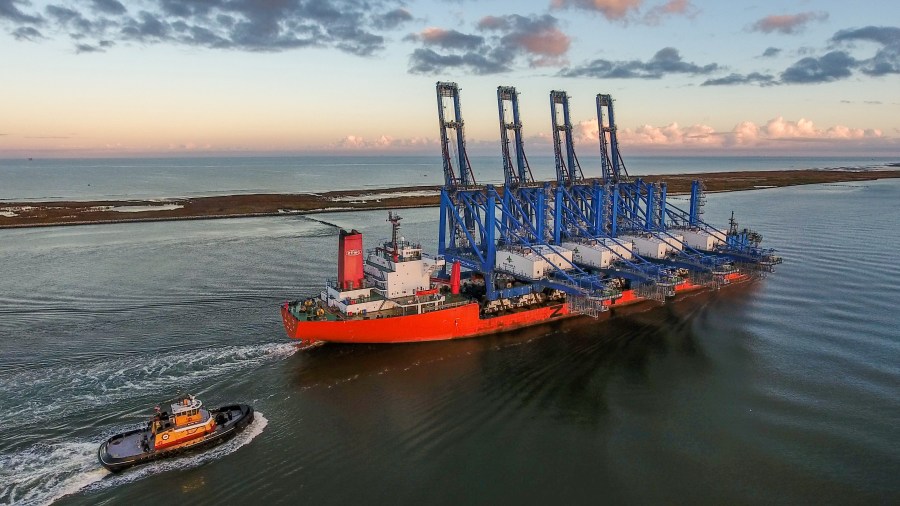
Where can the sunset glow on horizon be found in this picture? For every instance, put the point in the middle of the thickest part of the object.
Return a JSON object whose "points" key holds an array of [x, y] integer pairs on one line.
{"points": [[92, 78]]}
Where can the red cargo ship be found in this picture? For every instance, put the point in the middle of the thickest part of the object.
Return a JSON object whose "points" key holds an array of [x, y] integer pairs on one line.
{"points": [[395, 296]]}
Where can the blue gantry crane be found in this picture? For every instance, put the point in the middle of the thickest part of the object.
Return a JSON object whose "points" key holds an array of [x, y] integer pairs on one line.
{"points": [[586, 214], [699, 245], [478, 223], [587, 238], [641, 214]]}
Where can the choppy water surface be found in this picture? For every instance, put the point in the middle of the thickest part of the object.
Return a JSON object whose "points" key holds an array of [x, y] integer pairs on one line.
{"points": [[784, 392]]}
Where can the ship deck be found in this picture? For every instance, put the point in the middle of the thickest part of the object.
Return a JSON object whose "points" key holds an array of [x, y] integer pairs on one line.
{"points": [[407, 304], [126, 446]]}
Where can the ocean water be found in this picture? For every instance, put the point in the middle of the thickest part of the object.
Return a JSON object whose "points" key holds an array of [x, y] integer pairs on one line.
{"points": [[154, 178], [783, 392]]}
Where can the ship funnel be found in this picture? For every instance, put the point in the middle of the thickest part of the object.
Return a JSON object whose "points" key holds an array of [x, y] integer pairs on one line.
{"points": [[454, 278], [350, 260]]}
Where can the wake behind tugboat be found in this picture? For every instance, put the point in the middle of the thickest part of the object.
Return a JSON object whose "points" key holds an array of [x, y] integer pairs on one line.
{"points": [[185, 426]]}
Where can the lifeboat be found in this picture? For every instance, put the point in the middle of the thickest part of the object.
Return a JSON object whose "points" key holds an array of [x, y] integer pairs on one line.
{"points": [[185, 426]]}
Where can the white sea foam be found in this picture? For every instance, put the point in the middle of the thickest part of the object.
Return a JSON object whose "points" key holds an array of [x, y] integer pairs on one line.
{"points": [[44, 473], [33, 396]]}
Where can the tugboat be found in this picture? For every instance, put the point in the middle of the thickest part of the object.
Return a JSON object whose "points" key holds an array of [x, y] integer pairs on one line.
{"points": [[185, 426]]}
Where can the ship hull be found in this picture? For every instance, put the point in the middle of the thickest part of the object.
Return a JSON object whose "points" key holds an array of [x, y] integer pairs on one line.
{"points": [[452, 323]]}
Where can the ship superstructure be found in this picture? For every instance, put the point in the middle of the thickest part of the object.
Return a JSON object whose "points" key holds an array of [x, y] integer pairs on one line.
{"points": [[529, 251], [394, 279]]}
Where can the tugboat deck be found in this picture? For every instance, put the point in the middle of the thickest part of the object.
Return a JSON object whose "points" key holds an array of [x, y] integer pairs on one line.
{"points": [[126, 445]]}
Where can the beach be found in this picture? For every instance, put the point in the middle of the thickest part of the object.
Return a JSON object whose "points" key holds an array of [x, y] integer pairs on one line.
{"points": [[51, 213]]}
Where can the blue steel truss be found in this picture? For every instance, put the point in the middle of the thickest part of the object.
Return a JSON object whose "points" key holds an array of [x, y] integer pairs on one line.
{"points": [[611, 162], [589, 210], [476, 220]]}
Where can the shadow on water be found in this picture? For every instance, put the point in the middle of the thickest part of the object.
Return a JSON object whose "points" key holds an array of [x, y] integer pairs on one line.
{"points": [[560, 369]]}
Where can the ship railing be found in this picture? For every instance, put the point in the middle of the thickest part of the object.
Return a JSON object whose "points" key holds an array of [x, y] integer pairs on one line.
{"points": [[590, 306], [659, 291], [447, 305], [333, 283]]}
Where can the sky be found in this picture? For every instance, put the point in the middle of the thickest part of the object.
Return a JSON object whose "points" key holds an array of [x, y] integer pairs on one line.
{"points": [[115, 78]]}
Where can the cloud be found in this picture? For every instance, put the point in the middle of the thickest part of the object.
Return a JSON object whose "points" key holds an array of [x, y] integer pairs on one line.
{"points": [[10, 12], [87, 48], [447, 39], [508, 41], [666, 61], [108, 6], [671, 8], [830, 67], [787, 23], [752, 78], [538, 37], [27, 33], [629, 10], [803, 129], [886, 59], [744, 134], [99, 47], [426, 61], [391, 19], [383, 142], [610, 9], [834, 65], [347, 25], [770, 52]]}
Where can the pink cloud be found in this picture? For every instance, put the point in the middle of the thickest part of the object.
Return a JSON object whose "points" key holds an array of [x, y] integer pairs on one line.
{"points": [[492, 23], [788, 23], [670, 8], [549, 42], [804, 129], [674, 7], [383, 142], [433, 34], [745, 133], [611, 9]]}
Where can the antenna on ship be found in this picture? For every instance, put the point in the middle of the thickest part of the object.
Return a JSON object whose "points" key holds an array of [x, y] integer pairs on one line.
{"points": [[395, 229]]}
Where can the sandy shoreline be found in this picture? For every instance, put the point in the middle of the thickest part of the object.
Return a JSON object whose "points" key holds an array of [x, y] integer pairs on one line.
{"points": [[36, 214]]}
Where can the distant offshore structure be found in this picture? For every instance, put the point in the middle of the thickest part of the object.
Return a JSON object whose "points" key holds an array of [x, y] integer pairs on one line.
{"points": [[528, 252]]}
